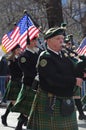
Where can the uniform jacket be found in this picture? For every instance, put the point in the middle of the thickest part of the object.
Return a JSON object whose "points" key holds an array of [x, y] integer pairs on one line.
{"points": [[56, 74], [27, 63], [4, 70], [14, 68]]}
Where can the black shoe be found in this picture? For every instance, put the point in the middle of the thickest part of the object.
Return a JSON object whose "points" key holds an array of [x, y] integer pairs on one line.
{"points": [[18, 128], [4, 122], [19, 125], [82, 117], [25, 123]]}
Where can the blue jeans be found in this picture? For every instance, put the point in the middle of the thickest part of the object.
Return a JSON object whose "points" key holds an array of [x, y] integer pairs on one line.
{"points": [[2, 84]]}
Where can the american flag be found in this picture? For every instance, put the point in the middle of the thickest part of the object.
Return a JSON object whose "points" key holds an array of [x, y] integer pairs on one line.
{"points": [[81, 50], [7, 43], [23, 29]]}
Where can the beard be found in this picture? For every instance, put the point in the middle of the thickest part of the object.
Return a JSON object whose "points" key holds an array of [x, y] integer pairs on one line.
{"points": [[36, 49]]}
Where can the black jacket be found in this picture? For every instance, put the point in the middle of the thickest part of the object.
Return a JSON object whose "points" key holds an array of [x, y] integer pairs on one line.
{"points": [[15, 70], [57, 75], [4, 69], [27, 62]]}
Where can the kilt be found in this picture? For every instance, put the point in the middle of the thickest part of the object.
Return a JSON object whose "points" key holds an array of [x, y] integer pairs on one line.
{"points": [[12, 90], [24, 100], [77, 91], [43, 120]]}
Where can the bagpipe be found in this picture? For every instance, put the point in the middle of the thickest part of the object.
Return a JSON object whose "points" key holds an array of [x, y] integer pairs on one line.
{"points": [[78, 60]]}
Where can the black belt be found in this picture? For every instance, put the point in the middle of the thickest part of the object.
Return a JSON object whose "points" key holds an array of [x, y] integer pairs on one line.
{"points": [[51, 101]]}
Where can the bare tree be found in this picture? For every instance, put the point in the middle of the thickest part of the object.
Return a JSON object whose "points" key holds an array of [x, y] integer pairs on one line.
{"points": [[54, 12], [75, 15], [47, 13], [82, 11], [12, 10]]}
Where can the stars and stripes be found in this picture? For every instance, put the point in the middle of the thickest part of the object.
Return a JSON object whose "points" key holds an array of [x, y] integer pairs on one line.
{"points": [[82, 48], [25, 28], [8, 43]]}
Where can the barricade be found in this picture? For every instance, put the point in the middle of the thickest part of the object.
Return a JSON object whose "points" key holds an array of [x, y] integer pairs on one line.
{"points": [[3, 83], [83, 90]]}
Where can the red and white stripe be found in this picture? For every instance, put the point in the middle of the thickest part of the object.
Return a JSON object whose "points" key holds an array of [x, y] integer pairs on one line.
{"points": [[7, 43], [81, 51], [16, 38]]}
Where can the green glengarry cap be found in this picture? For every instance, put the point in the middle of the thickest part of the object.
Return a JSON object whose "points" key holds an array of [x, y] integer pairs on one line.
{"points": [[68, 38], [17, 46], [63, 24], [53, 32]]}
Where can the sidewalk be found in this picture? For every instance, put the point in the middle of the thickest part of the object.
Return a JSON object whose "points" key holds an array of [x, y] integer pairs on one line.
{"points": [[81, 123]]}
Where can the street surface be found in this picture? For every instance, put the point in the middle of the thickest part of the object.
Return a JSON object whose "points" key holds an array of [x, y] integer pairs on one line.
{"points": [[12, 121]]}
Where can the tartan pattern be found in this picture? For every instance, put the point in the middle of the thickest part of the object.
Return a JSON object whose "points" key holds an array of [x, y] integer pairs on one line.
{"points": [[43, 120], [24, 101], [12, 90], [77, 92]]}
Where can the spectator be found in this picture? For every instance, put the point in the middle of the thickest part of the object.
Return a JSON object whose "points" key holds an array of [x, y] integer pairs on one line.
{"points": [[4, 71]]}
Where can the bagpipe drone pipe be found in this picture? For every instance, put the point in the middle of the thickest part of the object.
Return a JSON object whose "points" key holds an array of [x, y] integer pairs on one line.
{"points": [[79, 61]]}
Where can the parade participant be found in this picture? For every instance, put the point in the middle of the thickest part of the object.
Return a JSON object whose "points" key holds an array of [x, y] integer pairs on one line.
{"points": [[84, 97], [56, 83], [14, 84], [64, 26], [27, 62], [77, 93]]}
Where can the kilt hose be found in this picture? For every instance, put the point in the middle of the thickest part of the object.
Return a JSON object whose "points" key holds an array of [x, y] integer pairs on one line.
{"points": [[12, 90], [44, 119], [24, 100]]}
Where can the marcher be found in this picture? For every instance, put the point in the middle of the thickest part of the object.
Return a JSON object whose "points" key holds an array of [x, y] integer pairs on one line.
{"points": [[14, 84], [56, 83], [84, 97], [27, 62], [77, 94]]}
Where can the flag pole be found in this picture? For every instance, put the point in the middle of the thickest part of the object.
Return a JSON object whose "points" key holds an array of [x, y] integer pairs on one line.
{"points": [[36, 24], [28, 39]]}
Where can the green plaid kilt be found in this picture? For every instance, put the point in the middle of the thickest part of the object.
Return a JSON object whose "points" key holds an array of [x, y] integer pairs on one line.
{"points": [[12, 90], [43, 119], [24, 100], [77, 91]]}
